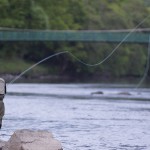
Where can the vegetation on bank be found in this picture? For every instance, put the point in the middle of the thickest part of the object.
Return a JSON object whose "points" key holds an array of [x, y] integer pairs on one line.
{"points": [[128, 60], [15, 67]]}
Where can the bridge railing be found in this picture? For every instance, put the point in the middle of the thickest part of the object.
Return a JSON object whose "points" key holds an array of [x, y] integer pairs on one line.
{"points": [[138, 36]]}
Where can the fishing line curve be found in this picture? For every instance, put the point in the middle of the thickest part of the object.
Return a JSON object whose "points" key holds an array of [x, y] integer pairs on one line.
{"points": [[110, 54], [147, 67], [39, 62], [90, 65]]}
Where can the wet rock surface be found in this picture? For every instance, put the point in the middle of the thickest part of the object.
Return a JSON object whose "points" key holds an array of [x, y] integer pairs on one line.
{"points": [[31, 140]]}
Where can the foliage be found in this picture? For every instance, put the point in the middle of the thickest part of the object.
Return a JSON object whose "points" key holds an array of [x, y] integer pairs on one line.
{"points": [[21, 66], [128, 60]]}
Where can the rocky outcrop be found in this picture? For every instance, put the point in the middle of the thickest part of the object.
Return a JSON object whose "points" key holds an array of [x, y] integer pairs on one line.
{"points": [[2, 144], [98, 92], [124, 93], [31, 140]]}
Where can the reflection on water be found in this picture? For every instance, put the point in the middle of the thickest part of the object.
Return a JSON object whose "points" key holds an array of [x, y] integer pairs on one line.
{"points": [[80, 120]]}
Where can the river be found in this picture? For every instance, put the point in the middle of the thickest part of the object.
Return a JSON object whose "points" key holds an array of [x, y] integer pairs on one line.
{"points": [[116, 119]]}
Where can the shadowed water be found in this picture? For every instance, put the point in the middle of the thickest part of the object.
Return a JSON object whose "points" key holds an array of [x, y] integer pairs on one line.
{"points": [[80, 120]]}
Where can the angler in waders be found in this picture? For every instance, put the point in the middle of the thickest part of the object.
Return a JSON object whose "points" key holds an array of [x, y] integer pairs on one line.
{"points": [[2, 94]]}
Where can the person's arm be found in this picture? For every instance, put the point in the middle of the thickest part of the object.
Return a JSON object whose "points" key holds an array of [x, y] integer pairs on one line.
{"points": [[5, 89], [2, 110], [0, 123]]}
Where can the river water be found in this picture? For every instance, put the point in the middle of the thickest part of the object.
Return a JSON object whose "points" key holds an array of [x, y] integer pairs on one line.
{"points": [[117, 119]]}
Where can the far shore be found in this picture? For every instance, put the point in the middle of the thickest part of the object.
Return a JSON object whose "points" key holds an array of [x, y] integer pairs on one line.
{"points": [[71, 79]]}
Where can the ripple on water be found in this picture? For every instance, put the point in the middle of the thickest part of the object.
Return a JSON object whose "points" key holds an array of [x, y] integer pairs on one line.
{"points": [[80, 121]]}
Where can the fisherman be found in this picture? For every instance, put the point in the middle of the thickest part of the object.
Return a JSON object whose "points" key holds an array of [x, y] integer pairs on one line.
{"points": [[2, 94]]}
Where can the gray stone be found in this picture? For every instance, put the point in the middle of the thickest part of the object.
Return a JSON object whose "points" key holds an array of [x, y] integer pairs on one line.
{"points": [[98, 92], [2, 144], [32, 140], [124, 93]]}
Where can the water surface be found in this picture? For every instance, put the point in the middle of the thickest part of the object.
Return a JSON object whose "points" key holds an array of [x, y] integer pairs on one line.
{"points": [[79, 119]]}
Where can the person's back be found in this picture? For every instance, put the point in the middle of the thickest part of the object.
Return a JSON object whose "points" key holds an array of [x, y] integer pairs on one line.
{"points": [[2, 94]]}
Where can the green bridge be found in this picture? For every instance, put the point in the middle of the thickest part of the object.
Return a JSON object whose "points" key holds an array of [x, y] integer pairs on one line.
{"points": [[129, 36]]}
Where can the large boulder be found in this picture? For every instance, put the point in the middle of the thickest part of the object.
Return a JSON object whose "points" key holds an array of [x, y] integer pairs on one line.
{"points": [[2, 144], [98, 92], [32, 140]]}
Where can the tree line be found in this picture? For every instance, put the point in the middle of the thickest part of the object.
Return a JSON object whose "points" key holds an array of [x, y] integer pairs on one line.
{"points": [[128, 60]]}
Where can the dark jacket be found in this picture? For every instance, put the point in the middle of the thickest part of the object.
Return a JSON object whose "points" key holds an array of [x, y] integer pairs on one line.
{"points": [[2, 111], [2, 94]]}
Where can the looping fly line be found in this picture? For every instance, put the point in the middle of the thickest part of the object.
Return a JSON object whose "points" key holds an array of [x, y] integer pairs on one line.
{"points": [[86, 64]]}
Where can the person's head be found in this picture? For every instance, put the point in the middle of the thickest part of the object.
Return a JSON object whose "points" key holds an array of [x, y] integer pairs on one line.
{"points": [[2, 88]]}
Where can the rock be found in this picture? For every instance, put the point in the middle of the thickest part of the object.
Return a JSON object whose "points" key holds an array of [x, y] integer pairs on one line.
{"points": [[99, 92], [2, 143], [32, 140], [124, 93]]}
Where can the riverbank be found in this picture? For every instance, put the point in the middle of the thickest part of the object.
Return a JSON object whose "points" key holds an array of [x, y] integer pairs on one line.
{"points": [[10, 69], [36, 78], [51, 78]]}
